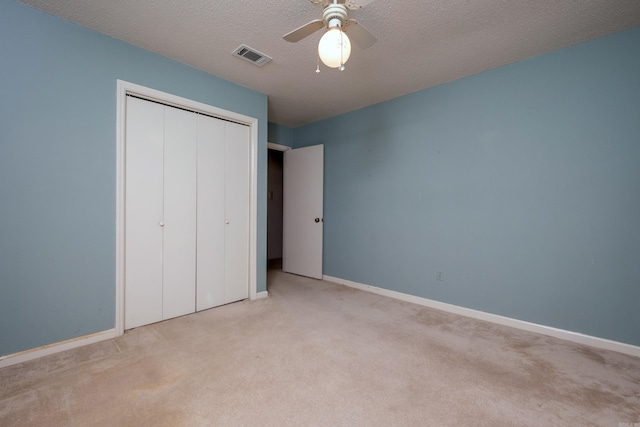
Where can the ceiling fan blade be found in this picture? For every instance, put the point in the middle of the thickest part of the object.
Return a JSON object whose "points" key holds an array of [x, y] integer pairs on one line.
{"points": [[304, 31], [357, 4], [359, 34]]}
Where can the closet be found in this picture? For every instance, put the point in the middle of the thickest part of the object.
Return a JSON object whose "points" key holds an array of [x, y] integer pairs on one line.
{"points": [[186, 212]]}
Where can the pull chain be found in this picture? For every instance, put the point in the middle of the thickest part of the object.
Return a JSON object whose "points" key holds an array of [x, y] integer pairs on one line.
{"points": [[341, 68]]}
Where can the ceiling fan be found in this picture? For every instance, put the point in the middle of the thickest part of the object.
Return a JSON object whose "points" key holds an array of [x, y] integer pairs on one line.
{"points": [[334, 48]]}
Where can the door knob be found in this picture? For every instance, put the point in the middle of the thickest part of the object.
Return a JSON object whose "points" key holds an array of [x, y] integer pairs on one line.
{"points": [[161, 224], [226, 222], [317, 219]]}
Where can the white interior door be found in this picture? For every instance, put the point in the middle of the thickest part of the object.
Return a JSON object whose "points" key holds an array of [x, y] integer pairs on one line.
{"points": [[211, 225], [179, 245], [160, 213], [143, 216], [223, 212], [236, 202], [303, 175]]}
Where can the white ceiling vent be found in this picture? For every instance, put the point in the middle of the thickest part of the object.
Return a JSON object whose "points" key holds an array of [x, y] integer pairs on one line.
{"points": [[251, 55]]}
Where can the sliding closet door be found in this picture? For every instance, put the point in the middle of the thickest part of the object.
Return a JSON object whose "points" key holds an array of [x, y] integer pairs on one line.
{"points": [[210, 208], [236, 212], [143, 216], [179, 260]]}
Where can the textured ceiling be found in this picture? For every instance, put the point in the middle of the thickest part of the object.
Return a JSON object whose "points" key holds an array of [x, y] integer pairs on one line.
{"points": [[420, 43]]}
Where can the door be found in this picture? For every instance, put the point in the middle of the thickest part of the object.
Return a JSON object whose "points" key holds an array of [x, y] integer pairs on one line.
{"points": [[303, 177], [179, 230], [236, 203], [160, 213], [143, 215], [210, 211], [223, 212]]}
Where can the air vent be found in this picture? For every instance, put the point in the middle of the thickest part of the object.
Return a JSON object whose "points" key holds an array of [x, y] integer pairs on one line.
{"points": [[251, 55]]}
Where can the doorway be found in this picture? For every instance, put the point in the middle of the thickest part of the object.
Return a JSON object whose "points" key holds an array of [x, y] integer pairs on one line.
{"points": [[295, 209], [274, 208]]}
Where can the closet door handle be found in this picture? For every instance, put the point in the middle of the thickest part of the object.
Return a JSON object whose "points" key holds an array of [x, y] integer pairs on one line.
{"points": [[161, 224], [226, 222]]}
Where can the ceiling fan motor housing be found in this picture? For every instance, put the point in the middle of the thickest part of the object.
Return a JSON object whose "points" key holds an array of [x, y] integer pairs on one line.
{"points": [[334, 15]]}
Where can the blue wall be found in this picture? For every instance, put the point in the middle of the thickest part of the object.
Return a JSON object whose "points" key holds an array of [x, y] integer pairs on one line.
{"points": [[57, 169], [521, 184], [282, 135]]}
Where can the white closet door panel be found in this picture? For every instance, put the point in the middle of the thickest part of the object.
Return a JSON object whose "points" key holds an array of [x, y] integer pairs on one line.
{"points": [[179, 275], [236, 212], [143, 212], [210, 208]]}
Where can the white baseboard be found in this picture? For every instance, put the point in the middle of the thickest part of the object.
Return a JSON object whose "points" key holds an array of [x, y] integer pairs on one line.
{"points": [[494, 318], [260, 295], [24, 356], [34, 353]]}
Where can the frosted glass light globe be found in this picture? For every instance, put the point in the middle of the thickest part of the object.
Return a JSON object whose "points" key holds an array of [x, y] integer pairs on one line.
{"points": [[329, 48]]}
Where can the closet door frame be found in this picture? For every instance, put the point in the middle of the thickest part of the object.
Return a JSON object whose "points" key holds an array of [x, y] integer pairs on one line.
{"points": [[126, 88]]}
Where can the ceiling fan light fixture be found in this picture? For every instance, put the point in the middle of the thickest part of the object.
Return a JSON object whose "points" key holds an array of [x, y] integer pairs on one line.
{"points": [[334, 48]]}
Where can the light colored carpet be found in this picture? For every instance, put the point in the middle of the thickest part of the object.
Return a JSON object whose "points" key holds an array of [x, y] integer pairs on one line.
{"points": [[319, 354]]}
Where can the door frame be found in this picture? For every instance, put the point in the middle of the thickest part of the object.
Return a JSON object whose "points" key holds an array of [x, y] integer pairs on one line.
{"points": [[277, 147], [126, 88]]}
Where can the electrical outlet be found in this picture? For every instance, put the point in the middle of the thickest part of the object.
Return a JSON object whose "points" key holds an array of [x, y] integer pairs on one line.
{"points": [[440, 276]]}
